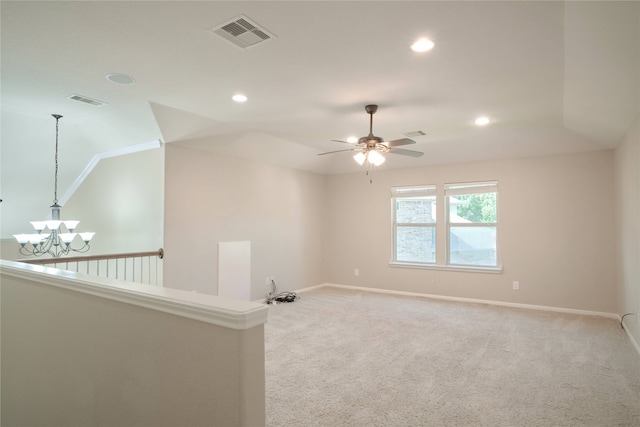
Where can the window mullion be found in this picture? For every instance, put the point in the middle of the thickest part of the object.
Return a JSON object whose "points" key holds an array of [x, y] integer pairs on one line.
{"points": [[442, 233]]}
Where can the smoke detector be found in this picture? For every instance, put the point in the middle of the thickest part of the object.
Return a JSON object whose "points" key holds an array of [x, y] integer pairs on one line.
{"points": [[242, 32]]}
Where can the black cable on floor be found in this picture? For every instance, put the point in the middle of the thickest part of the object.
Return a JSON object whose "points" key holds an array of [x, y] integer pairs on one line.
{"points": [[622, 319]]}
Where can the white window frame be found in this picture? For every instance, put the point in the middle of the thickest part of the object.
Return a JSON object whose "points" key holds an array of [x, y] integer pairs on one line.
{"points": [[451, 190], [410, 193], [442, 225]]}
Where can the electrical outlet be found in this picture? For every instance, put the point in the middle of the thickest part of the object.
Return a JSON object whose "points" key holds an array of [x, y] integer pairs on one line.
{"points": [[268, 281], [516, 285], [356, 272]]}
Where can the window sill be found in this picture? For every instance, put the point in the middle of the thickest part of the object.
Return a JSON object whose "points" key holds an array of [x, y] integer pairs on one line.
{"points": [[460, 268]]}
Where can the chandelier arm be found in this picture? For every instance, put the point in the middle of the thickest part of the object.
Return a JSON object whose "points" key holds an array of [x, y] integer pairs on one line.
{"points": [[83, 249], [48, 244], [24, 251]]}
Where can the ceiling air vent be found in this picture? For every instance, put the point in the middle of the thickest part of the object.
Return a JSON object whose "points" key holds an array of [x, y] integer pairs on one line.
{"points": [[86, 100], [242, 32], [414, 133]]}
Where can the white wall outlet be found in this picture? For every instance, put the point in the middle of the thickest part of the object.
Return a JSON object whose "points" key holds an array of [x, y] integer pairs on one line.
{"points": [[356, 272], [268, 281], [516, 285]]}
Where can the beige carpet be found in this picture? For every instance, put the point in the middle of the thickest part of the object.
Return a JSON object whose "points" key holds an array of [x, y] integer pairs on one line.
{"points": [[347, 358]]}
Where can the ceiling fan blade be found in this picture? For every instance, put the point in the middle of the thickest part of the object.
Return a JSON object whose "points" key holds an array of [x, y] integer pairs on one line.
{"points": [[339, 151], [405, 152], [344, 142], [399, 142]]}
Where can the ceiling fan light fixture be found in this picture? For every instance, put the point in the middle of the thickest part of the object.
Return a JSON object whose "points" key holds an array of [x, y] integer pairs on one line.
{"points": [[375, 158], [370, 148]]}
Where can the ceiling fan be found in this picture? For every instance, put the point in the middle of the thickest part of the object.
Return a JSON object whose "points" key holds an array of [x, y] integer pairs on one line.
{"points": [[370, 148]]}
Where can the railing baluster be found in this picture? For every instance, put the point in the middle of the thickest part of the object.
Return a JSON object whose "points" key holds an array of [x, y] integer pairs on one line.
{"points": [[125, 257]]}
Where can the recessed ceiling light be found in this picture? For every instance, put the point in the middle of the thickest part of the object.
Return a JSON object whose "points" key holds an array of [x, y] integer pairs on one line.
{"points": [[422, 45], [482, 121], [352, 139], [121, 79], [239, 98]]}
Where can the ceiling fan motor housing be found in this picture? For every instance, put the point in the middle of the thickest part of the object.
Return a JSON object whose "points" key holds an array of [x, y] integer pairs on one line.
{"points": [[370, 139]]}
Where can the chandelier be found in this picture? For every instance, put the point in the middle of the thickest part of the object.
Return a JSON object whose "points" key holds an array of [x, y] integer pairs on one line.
{"points": [[54, 237]]}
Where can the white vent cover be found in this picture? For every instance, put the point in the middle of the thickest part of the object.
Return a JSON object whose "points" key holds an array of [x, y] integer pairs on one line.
{"points": [[242, 32], [86, 100], [414, 133]]}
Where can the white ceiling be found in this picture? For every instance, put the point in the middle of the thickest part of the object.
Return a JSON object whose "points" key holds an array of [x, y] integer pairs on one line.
{"points": [[555, 77]]}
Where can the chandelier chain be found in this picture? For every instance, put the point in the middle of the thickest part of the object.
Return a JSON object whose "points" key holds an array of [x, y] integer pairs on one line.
{"points": [[55, 185]]}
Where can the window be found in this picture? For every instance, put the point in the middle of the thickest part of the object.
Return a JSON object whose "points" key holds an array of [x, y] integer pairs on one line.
{"points": [[467, 226], [414, 224], [472, 224]]}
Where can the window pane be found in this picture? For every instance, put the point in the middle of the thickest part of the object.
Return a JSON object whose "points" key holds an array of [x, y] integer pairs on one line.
{"points": [[416, 244], [420, 210], [473, 208], [472, 246]]}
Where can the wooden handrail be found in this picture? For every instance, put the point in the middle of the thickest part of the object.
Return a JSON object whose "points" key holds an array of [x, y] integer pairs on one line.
{"points": [[159, 253]]}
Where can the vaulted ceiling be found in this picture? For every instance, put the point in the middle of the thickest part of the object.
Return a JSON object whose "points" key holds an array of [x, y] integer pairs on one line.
{"points": [[554, 77]]}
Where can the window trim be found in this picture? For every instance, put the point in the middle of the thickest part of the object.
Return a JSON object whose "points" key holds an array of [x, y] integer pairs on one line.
{"points": [[459, 189], [459, 268], [407, 192], [442, 225]]}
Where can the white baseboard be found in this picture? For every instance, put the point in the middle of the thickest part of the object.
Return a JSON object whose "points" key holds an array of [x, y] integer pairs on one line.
{"points": [[311, 288], [472, 300]]}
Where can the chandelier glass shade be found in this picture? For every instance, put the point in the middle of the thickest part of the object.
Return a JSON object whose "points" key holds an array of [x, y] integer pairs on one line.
{"points": [[54, 236]]}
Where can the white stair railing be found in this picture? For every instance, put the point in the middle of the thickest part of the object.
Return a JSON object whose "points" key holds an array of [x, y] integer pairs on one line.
{"points": [[138, 267]]}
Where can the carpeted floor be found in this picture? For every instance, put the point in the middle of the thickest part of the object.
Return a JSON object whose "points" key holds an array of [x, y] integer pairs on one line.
{"points": [[341, 357]]}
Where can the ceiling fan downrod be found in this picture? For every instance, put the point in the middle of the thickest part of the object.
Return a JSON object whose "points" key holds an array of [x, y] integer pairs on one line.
{"points": [[371, 110]]}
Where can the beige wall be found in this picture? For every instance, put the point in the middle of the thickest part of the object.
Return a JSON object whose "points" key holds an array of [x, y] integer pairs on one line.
{"points": [[556, 232], [211, 198], [9, 247], [627, 202], [71, 358], [122, 201]]}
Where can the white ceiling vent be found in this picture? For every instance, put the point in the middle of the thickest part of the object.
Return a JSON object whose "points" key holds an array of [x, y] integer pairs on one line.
{"points": [[242, 32], [414, 133], [86, 100]]}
